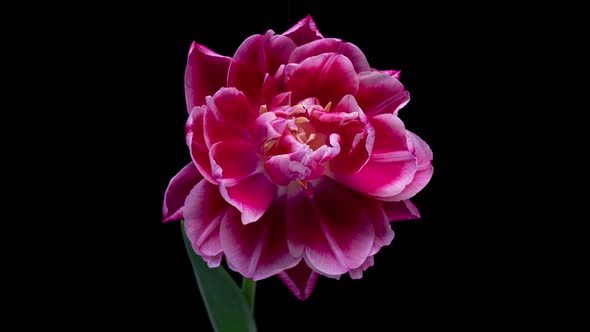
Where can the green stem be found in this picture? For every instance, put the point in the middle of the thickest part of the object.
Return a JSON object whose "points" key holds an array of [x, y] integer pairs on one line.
{"points": [[249, 289]]}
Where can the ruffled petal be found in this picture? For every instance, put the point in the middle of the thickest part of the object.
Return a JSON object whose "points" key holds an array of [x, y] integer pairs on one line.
{"points": [[404, 210], [257, 56], [380, 93], [304, 31], [332, 228], [328, 77], [331, 45], [251, 196], [424, 169], [196, 142], [233, 160], [300, 280], [228, 117], [257, 250], [178, 189], [391, 166], [206, 72], [203, 213], [358, 272]]}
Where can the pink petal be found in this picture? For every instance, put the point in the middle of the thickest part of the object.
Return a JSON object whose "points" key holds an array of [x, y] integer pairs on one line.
{"points": [[393, 73], [178, 188], [300, 280], [357, 137], [383, 232], [358, 272], [285, 168], [204, 209], [258, 250], [196, 142], [331, 45], [424, 169], [332, 229], [403, 210], [380, 93], [391, 166], [228, 117], [304, 31], [234, 160], [206, 72], [257, 56], [251, 196], [328, 77], [213, 261]]}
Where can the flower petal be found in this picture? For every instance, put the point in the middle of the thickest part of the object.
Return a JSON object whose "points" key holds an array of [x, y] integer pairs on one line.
{"points": [[383, 232], [196, 142], [257, 56], [403, 210], [300, 280], [251, 196], [328, 76], [203, 212], [331, 45], [233, 160], [206, 72], [380, 93], [358, 272], [391, 166], [258, 250], [304, 31], [178, 188], [423, 172], [228, 117], [332, 229]]}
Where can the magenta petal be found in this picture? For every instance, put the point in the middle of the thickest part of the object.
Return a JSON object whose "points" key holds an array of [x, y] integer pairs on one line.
{"points": [[257, 56], [331, 45], [403, 210], [258, 250], [204, 209], [178, 188], [423, 172], [213, 261], [358, 272], [328, 76], [196, 142], [332, 229], [297, 165], [206, 72], [251, 196], [391, 166], [300, 280], [304, 31], [233, 160], [380, 93], [383, 232], [228, 117]]}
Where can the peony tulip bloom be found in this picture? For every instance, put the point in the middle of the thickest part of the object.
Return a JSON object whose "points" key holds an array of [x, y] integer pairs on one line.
{"points": [[299, 159]]}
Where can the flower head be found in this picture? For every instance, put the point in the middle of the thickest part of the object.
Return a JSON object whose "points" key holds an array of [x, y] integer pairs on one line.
{"points": [[299, 158]]}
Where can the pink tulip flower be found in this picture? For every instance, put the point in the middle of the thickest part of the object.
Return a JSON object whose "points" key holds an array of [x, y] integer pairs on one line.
{"points": [[299, 159]]}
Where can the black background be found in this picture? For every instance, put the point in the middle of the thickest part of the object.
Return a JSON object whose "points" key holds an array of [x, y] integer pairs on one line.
{"points": [[126, 269]]}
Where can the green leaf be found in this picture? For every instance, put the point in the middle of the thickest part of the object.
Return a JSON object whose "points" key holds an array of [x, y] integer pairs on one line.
{"points": [[249, 290], [225, 303]]}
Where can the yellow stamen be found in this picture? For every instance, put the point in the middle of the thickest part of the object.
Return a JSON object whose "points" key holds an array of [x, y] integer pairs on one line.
{"points": [[301, 119], [302, 183], [263, 109], [328, 107], [311, 138]]}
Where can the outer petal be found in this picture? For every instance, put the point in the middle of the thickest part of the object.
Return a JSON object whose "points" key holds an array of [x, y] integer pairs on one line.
{"points": [[206, 72], [383, 232], [257, 56], [178, 188], [332, 229], [203, 212], [380, 93], [300, 280], [196, 142], [304, 31], [328, 76], [331, 45], [233, 160], [228, 117], [391, 166], [251, 196], [423, 172], [258, 250], [358, 272], [403, 210]]}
